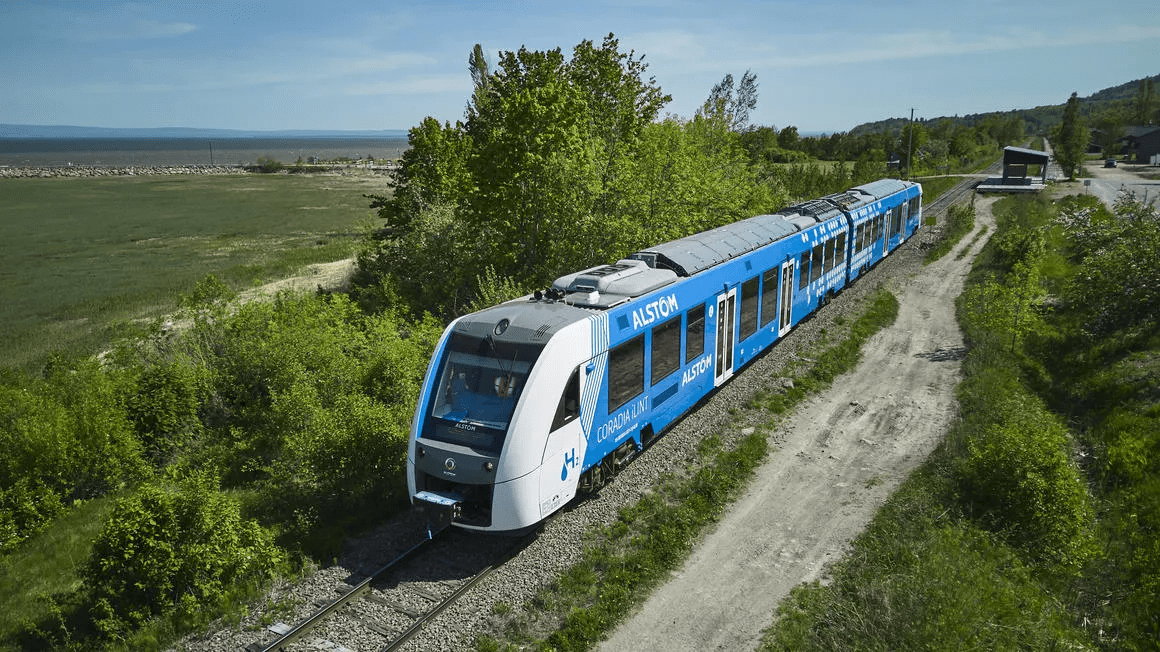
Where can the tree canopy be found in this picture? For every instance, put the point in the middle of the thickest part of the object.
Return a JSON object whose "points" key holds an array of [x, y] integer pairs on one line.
{"points": [[560, 163]]}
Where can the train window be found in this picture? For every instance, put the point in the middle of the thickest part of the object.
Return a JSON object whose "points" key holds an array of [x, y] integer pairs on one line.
{"points": [[829, 254], [666, 349], [858, 238], [480, 383], [877, 228], [695, 334], [816, 264], [841, 252], [625, 372], [804, 271], [768, 296], [749, 301], [569, 407]]}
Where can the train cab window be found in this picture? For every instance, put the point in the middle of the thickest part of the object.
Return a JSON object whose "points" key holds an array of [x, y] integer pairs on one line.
{"points": [[829, 254], [749, 301], [840, 254], [768, 296], [666, 349], [569, 407], [695, 334], [804, 271], [816, 264], [480, 383], [625, 372]]}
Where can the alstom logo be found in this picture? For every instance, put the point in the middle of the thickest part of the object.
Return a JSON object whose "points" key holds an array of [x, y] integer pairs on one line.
{"points": [[654, 310]]}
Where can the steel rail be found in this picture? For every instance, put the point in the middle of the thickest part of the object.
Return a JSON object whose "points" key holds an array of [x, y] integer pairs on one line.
{"points": [[312, 621], [430, 614]]}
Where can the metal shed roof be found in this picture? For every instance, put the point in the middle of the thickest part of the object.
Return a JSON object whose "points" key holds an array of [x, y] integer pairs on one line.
{"points": [[1021, 156], [694, 253]]}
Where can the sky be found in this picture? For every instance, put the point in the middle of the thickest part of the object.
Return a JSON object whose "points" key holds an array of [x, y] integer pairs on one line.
{"points": [[821, 65]]}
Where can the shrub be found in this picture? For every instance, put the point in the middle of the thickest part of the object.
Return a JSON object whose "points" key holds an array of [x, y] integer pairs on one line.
{"points": [[172, 551], [64, 438], [931, 587], [1019, 478], [162, 404], [268, 165]]}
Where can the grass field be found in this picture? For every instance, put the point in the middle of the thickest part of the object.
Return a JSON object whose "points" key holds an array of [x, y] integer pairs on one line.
{"points": [[80, 256]]}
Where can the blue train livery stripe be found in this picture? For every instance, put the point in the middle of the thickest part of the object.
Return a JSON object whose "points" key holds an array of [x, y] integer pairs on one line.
{"points": [[591, 393]]}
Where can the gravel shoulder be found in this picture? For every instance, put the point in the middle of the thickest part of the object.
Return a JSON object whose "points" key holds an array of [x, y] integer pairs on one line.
{"points": [[837, 460]]}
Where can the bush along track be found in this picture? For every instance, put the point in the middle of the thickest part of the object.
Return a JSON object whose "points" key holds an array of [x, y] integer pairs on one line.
{"points": [[1034, 525], [623, 562]]}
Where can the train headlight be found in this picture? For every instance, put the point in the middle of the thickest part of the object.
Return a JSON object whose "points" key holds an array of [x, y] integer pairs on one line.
{"points": [[422, 452], [489, 466]]}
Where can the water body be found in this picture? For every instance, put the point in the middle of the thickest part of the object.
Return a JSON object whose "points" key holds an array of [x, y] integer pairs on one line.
{"points": [[117, 152]]}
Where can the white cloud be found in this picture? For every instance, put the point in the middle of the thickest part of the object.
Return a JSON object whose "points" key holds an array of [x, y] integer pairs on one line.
{"points": [[149, 29], [935, 43]]}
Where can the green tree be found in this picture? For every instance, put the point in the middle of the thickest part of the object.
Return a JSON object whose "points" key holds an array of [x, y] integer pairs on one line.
{"points": [[733, 104], [788, 137], [432, 171], [1145, 99], [1071, 138], [1117, 285]]}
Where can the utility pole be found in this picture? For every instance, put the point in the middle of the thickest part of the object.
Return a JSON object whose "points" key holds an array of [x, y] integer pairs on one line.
{"points": [[909, 141]]}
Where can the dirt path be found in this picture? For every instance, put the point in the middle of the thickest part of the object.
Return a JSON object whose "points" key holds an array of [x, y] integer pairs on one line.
{"points": [[835, 462], [328, 276]]}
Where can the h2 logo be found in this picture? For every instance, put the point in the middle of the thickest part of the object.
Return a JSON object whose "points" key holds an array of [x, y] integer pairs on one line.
{"points": [[569, 462]]}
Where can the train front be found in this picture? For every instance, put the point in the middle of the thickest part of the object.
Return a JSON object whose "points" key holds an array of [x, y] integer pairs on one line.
{"points": [[484, 391]]}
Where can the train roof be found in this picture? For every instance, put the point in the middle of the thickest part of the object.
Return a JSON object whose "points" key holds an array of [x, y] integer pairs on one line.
{"points": [[605, 286], [700, 251], [522, 321]]}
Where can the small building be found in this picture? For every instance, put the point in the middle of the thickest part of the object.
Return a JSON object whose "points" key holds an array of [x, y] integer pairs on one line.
{"points": [[1142, 143], [1017, 164]]}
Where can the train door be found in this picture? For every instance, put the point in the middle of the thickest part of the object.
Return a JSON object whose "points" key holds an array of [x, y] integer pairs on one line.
{"points": [[726, 305], [566, 445], [785, 312]]}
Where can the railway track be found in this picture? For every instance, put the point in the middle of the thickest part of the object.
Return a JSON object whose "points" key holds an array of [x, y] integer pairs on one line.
{"points": [[387, 607], [956, 193]]}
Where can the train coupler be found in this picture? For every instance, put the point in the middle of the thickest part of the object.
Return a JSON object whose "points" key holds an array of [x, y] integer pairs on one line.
{"points": [[440, 510]]}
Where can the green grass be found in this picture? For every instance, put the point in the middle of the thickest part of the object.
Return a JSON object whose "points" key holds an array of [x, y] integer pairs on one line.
{"points": [[79, 256], [934, 187], [48, 565], [960, 222]]}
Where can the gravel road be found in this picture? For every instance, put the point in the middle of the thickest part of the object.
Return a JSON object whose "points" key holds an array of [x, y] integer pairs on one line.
{"points": [[831, 466]]}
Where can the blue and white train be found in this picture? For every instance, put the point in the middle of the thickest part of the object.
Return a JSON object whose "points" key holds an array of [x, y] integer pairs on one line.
{"points": [[527, 403]]}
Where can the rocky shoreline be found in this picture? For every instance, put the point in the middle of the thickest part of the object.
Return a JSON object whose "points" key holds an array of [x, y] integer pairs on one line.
{"points": [[156, 170], [117, 171]]}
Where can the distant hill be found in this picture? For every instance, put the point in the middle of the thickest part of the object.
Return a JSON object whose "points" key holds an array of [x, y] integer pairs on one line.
{"points": [[1039, 120], [68, 131]]}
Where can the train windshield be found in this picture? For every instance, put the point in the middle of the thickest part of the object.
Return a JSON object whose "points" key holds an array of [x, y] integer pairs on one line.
{"points": [[480, 383]]}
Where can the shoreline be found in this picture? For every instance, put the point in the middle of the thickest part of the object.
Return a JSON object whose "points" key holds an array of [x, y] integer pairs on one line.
{"points": [[42, 172]]}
